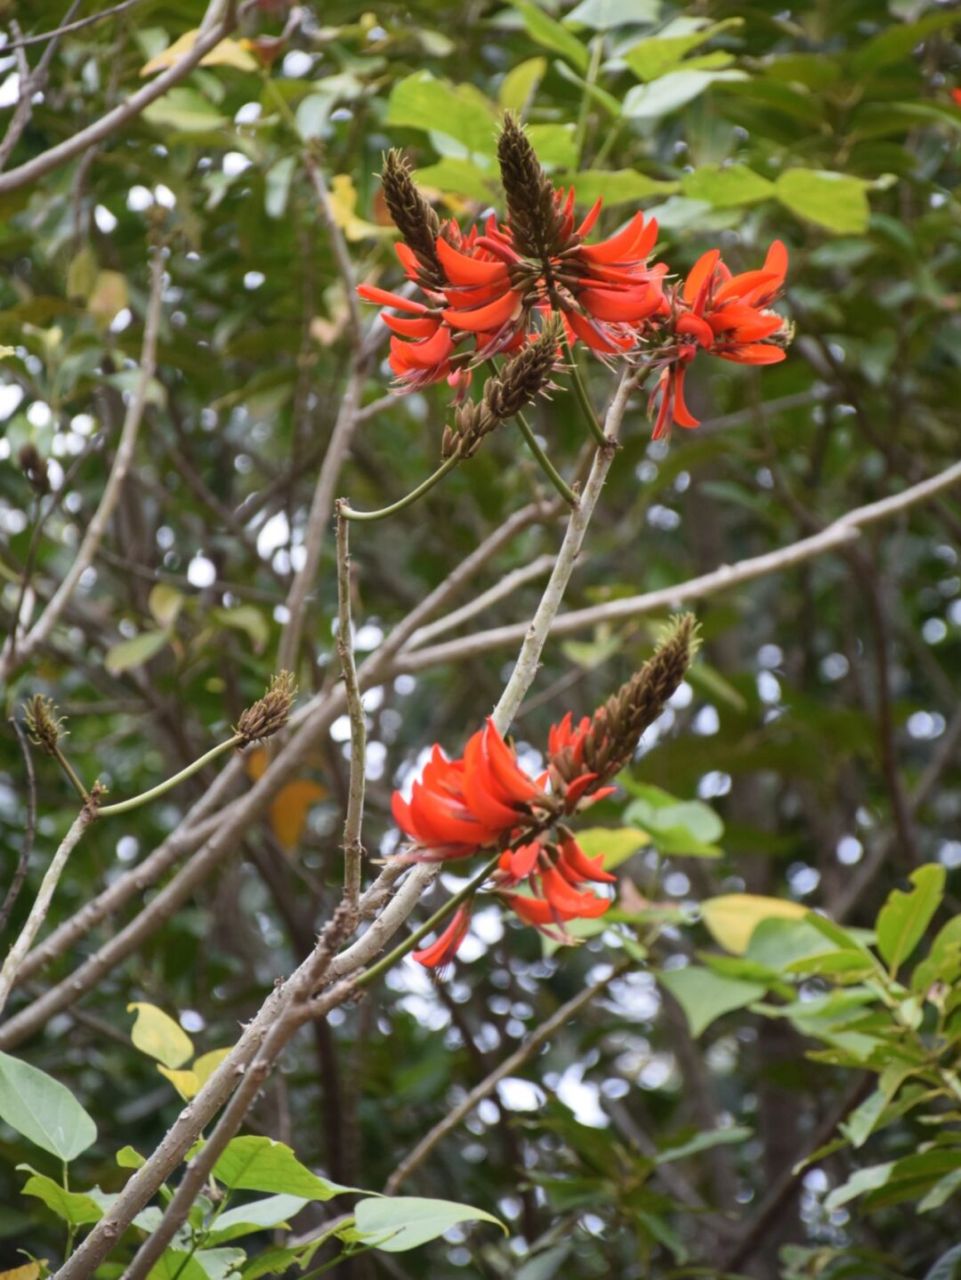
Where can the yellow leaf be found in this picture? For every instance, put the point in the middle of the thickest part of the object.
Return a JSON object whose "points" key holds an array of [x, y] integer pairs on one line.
{"points": [[343, 202], [229, 53], [207, 1064], [185, 1082], [30, 1271], [156, 1034], [288, 813], [733, 917], [108, 296]]}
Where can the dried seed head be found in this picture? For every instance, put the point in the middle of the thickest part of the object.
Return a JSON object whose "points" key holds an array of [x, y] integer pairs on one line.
{"points": [[532, 207], [413, 216], [615, 728], [510, 390], [34, 467], [269, 714], [44, 726]]}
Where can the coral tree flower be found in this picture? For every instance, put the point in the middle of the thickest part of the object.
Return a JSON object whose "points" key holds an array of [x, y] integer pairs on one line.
{"points": [[725, 315], [440, 953], [556, 875]]}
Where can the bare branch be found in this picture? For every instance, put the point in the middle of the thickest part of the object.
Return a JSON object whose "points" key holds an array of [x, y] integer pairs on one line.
{"points": [[211, 35], [67, 27], [506, 587], [23, 861], [38, 912], [843, 531], [508, 1067], [353, 848]]}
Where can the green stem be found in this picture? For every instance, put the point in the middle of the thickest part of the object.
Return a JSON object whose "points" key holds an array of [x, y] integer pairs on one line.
{"points": [[350, 514], [124, 806], [583, 399], [545, 464], [590, 79], [71, 1228], [439, 916], [71, 773]]}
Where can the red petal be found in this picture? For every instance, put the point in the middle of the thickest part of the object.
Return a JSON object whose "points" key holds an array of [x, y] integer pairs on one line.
{"points": [[681, 413], [462, 269], [620, 245], [590, 218], [622, 305], [698, 329], [483, 801], [413, 328], [700, 274], [754, 353], [370, 293], [443, 950], [567, 902], [741, 286], [480, 319], [502, 767], [593, 337], [576, 860]]}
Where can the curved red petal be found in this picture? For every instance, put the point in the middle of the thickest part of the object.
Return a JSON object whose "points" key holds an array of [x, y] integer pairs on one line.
{"points": [[370, 293], [480, 319], [461, 268], [699, 275]]}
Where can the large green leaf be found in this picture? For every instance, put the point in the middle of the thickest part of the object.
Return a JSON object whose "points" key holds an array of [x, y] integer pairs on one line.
{"points": [[273, 1211], [705, 996], [905, 916], [421, 101], [395, 1224], [72, 1206], [551, 34], [254, 1163], [836, 201], [43, 1110], [726, 186], [671, 92]]}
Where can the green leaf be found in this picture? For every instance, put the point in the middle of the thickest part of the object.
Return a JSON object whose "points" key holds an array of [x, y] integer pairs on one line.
{"points": [[184, 111], [620, 186], [867, 1179], [72, 1206], [836, 201], [176, 1264], [943, 961], [657, 55], [259, 1164], [732, 918], [725, 186], [128, 1158], [272, 1211], [607, 15], [676, 826], [520, 84], [905, 916], [135, 652], [43, 1110], [277, 182], [546, 31], [165, 603], [249, 619], [897, 42], [156, 1034], [395, 1224], [671, 92], [554, 144], [617, 844], [703, 1142], [463, 113], [705, 996], [461, 177]]}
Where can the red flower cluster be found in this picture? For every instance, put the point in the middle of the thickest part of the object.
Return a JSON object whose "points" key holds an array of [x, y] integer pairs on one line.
{"points": [[481, 800], [724, 315], [485, 799], [491, 293]]}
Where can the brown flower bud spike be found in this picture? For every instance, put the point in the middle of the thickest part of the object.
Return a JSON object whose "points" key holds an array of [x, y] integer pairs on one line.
{"points": [[413, 217], [269, 714]]}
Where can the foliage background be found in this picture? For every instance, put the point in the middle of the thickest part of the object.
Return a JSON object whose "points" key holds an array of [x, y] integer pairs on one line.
{"points": [[827, 692]]}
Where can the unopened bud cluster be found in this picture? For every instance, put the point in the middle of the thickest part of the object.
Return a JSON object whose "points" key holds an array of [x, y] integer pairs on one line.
{"points": [[528, 375], [270, 713], [44, 726]]}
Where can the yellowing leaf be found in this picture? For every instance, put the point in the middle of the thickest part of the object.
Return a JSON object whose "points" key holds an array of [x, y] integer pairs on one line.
{"points": [[30, 1271], [207, 1064], [165, 602], [229, 53], [156, 1034], [108, 296], [288, 813], [733, 917], [343, 203], [185, 1082]]}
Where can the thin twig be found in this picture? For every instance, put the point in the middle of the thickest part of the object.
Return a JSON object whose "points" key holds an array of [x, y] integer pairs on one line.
{"points": [[843, 531], [23, 861], [130, 108], [508, 1067], [67, 27], [97, 527], [353, 822], [38, 912], [507, 586]]}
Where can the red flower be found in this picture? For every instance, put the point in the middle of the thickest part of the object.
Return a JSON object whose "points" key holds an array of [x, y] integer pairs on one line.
{"points": [[956, 95], [565, 746], [725, 315], [460, 806], [555, 874], [442, 951]]}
